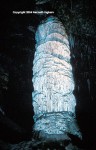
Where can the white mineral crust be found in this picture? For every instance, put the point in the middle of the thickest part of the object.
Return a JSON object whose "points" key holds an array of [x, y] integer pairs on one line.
{"points": [[53, 82]]}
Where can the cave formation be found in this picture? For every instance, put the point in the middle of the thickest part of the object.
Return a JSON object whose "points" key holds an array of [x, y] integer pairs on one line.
{"points": [[53, 99]]}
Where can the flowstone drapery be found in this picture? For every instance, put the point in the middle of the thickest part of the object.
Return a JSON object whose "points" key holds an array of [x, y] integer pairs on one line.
{"points": [[53, 99]]}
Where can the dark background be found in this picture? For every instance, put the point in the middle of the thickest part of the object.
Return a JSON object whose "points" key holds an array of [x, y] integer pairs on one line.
{"points": [[17, 47]]}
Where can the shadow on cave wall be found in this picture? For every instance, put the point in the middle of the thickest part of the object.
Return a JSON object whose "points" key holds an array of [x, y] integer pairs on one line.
{"points": [[83, 63], [17, 52]]}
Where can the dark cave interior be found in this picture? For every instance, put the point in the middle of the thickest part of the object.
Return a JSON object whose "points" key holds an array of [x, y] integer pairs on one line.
{"points": [[17, 47]]}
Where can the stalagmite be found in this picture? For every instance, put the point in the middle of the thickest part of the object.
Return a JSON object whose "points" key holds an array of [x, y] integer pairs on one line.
{"points": [[53, 99]]}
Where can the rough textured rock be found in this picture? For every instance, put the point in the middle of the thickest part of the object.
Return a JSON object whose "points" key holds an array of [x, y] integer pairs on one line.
{"points": [[79, 19], [53, 99], [39, 145]]}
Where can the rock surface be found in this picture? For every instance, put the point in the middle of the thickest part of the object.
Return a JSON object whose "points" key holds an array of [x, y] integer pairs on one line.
{"points": [[39, 145], [53, 81]]}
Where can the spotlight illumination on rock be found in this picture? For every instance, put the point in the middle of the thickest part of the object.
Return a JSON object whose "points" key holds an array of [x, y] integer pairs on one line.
{"points": [[53, 99]]}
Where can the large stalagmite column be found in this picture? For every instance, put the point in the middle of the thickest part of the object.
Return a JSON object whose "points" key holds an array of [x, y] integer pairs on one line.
{"points": [[53, 99]]}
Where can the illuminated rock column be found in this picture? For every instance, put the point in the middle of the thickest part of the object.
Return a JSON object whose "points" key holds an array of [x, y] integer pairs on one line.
{"points": [[53, 99]]}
